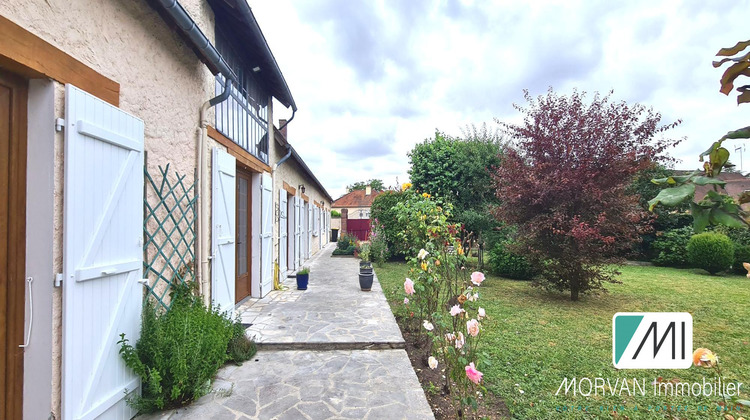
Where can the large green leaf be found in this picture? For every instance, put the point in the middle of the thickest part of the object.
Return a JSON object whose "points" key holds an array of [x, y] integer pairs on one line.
{"points": [[718, 158], [701, 218], [742, 133], [674, 180], [720, 217], [705, 180], [672, 196]]}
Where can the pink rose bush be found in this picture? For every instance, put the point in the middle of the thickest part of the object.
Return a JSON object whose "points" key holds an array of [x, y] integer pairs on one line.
{"points": [[444, 295]]}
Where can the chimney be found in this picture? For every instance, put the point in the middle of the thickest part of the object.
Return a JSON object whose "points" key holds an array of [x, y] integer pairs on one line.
{"points": [[368, 190], [282, 123]]}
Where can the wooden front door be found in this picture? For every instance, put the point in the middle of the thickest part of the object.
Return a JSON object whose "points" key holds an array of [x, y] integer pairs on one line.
{"points": [[13, 94], [244, 236]]}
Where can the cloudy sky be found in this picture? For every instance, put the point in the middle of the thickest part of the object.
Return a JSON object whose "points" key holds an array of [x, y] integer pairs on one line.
{"points": [[373, 78]]}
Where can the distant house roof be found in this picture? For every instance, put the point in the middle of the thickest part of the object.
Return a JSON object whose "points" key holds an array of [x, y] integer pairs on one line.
{"points": [[356, 198], [736, 184]]}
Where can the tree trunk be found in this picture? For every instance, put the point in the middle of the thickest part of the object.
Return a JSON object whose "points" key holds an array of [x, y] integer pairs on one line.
{"points": [[574, 289]]}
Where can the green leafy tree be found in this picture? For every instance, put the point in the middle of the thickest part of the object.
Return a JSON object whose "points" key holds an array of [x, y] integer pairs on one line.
{"points": [[715, 209], [457, 170], [375, 184]]}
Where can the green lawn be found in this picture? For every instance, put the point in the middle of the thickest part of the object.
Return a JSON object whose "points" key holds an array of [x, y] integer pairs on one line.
{"points": [[536, 338]]}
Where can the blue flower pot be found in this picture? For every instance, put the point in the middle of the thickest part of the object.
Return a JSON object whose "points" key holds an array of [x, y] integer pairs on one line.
{"points": [[302, 280]]}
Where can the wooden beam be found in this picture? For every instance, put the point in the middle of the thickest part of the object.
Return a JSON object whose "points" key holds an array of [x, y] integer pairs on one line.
{"points": [[25, 53], [243, 156], [305, 198], [291, 190]]}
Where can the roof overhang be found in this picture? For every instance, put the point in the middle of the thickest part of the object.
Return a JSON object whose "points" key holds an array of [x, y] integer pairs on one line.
{"points": [[237, 17]]}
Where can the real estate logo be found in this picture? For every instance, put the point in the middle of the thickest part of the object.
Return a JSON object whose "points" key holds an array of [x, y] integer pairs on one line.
{"points": [[652, 340]]}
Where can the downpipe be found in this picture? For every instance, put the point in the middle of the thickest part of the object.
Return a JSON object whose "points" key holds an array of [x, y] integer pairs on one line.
{"points": [[202, 224]]}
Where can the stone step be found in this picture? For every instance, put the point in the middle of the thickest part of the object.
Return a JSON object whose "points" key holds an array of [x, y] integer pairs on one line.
{"points": [[324, 346]]}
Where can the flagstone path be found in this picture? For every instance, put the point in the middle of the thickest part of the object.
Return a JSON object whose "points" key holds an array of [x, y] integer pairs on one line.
{"points": [[330, 352]]}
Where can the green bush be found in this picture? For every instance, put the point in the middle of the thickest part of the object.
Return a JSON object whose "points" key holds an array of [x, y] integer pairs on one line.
{"points": [[378, 246], [335, 213], [240, 347], [670, 249], [384, 212], [741, 255], [713, 252], [348, 251], [346, 241], [507, 264], [180, 350]]}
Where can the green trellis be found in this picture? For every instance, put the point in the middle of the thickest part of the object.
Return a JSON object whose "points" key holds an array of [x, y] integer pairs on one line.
{"points": [[169, 230]]}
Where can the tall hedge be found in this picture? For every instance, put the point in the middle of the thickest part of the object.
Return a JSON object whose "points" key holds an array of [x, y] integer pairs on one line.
{"points": [[384, 211]]}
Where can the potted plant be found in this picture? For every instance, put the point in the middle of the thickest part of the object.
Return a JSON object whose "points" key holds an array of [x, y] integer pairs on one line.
{"points": [[365, 265], [365, 269], [302, 278]]}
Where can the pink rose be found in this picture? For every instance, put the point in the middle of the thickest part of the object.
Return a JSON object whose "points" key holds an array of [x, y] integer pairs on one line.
{"points": [[409, 286], [477, 278], [473, 327], [455, 310], [480, 313], [473, 374], [406, 301]]}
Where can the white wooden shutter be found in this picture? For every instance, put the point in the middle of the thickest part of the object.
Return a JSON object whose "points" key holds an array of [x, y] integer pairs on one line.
{"points": [[309, 229], [297, 232], [223, 220], [266, 234], [282, 233], [102, 255]]}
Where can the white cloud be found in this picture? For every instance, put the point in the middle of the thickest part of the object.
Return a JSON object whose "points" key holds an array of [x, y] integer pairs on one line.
{"points": [[373, 78]]}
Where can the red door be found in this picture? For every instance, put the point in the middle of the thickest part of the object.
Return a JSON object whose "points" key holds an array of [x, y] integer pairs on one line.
{"points": [[360, 228]]}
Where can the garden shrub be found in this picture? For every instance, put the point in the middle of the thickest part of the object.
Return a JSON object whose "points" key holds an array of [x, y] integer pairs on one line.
{"points": [[385, 211], [350, 250], [179, 350], [240, 347], [741, 255], [508, 264], [713, 252], [378, 244], [443, 297], [670, 249], [346, 241]]}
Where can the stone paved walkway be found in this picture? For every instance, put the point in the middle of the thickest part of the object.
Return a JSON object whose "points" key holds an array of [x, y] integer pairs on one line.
{"points": [[330, 352], [333, 313]]}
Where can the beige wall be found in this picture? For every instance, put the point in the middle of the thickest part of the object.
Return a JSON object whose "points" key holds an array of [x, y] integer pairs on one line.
{"points": [[354, 212], [161, 81]]}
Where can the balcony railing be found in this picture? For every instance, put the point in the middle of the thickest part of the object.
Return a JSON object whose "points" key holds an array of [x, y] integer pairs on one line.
{"points": [[244, 120]]}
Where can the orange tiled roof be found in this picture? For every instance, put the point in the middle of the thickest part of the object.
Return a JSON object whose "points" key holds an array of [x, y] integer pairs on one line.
{"points": [[356, 198]]}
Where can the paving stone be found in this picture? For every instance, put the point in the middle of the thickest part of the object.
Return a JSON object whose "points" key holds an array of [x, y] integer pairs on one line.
{"points": [[317, 363], [316, 410]]}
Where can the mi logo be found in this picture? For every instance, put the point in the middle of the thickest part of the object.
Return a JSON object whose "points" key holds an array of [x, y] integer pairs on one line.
{"points": [[652, 340]]}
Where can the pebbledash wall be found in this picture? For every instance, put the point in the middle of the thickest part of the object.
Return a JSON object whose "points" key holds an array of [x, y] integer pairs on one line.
{"points": [[128, 42]]}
